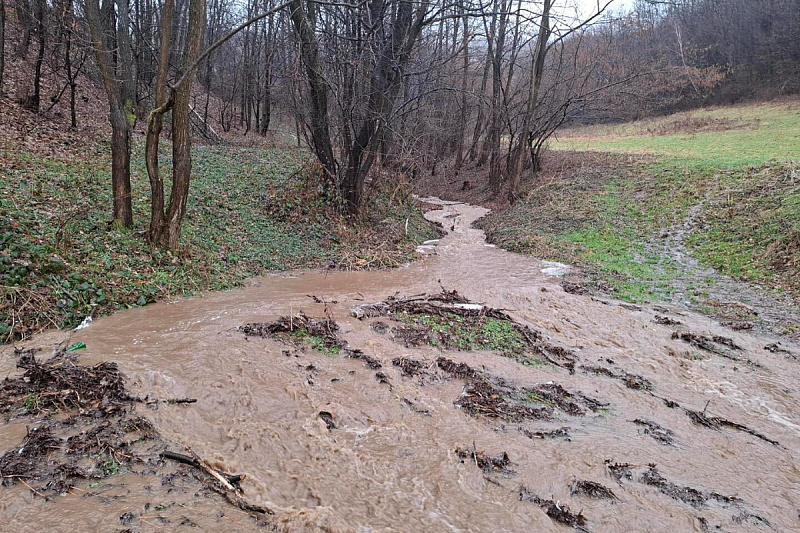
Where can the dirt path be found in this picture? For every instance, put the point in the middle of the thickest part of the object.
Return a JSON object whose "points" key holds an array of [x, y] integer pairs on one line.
{"points": [[617, 418]]}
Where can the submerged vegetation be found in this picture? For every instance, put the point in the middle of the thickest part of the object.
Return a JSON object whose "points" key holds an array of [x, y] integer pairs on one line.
{"points": [[451, 322], [457, 331]]}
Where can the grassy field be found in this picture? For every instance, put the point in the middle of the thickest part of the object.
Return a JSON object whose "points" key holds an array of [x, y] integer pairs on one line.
{"points": [[717, 137], [724, 180], [249, 211]]}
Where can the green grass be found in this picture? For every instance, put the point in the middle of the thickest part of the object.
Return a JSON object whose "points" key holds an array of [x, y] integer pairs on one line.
{"points": [[249, 211], [734, 166], [31, 402], [324, 345], [454, 331], [635, 274], [537, 399], [111, 467], [752, 230], [758, 134]]}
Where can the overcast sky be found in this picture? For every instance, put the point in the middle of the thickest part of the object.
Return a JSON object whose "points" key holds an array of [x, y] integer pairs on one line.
{"points": [[590, 6]]}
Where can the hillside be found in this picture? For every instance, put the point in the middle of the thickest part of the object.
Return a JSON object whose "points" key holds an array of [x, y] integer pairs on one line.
{"points": [[252, 209], [647, 207]]}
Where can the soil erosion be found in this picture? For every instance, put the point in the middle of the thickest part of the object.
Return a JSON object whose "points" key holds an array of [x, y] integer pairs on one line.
{"points": [[468, 391]]}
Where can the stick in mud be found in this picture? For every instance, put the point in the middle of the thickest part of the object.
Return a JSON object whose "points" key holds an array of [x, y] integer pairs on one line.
{"points": [[490, 464], [591, 489], [547, 434], [712, 344], [714, 422], [557, 511], [649, 475], [222, 483], [660, 434], [232, 479], [632, 381]]}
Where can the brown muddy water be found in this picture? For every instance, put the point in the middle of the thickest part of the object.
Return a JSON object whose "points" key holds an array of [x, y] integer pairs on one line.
{"points": [[401, 454]]}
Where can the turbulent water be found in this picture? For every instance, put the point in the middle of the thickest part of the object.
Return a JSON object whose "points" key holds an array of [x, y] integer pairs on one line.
{"points": [[390, 463]]}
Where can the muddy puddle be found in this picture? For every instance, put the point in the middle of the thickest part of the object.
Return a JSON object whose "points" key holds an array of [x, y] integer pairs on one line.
{"points": [[598, 418]]}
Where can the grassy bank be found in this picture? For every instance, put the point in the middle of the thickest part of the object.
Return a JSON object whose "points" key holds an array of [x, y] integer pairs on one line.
{"points": [[722, 182], [249, 211]]}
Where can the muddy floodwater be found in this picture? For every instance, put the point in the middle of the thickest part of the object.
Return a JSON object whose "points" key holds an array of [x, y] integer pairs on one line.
{"points": [[663, 420]]}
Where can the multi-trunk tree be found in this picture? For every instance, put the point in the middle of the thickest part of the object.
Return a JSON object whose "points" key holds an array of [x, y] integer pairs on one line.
{"points": [[405, 86], [103, 31]]}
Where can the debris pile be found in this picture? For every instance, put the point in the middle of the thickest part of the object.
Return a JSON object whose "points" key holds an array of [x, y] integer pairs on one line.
{"points": [[82, 430], [716, 344], [94, 435], [557, 511], [661, 434], [632, 381], [451, 322], [493, 397], [591, 489], [300, 331], [490, 464], [649, 475], [59, 383]]}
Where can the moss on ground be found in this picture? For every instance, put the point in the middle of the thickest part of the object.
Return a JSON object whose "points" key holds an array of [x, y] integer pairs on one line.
{"points": [[249, 211]]}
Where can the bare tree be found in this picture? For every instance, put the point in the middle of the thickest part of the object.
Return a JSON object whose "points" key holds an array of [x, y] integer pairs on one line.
{"points": [[181, 134], [155, 124], [304, 20], [117, 116], [534, 84], [125, 64], [32, 100], [26, 21]]}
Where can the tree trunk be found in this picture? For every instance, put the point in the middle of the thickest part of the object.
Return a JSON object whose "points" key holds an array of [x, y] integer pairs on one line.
{"points": [[69, 15], [155, 124], [535, 82], [480, 123], [266, 103], [2, 42], [25, 19], [125, 64], [385, 83], [121, 166], [269, 53], [120, 127], [181, 134], [32, 101], [464, 81], [318, 91], [495, 126]]}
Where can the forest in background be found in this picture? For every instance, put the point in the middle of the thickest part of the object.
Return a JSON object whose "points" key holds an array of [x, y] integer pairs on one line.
{"points": [[296, 132], [389, 83]]}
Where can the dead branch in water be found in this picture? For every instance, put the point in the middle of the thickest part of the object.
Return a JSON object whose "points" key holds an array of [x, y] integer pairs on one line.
{"points": [[223, 483]]}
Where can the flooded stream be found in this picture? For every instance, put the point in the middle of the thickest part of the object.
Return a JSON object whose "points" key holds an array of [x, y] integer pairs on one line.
{"points": [[389, 462]]}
